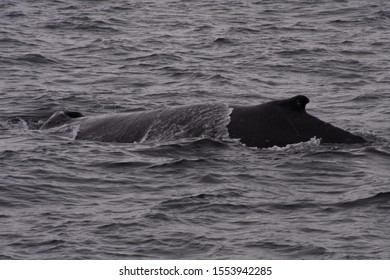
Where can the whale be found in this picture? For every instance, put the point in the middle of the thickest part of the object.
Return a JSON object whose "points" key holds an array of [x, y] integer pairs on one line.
{"points": [[273, 123]]}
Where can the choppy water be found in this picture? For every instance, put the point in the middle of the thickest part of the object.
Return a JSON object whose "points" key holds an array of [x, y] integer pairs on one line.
{"points": [[193, 198]]}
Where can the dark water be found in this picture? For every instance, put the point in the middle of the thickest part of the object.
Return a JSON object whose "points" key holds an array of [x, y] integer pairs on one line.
{"points": [[196, 198]]}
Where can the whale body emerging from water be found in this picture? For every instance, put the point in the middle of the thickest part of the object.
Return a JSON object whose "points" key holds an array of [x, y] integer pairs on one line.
{"points": [[274, 123]]}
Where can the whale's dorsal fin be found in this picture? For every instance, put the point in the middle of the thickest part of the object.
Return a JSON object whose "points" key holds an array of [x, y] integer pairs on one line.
{"points": [[297, 103]]}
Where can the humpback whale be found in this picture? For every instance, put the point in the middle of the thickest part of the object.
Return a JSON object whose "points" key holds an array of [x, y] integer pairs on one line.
{"points": [[274, 123]]}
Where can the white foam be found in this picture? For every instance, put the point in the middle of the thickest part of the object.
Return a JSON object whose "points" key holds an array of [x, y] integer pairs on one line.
{"points": [[69, 130], [313, 143]]}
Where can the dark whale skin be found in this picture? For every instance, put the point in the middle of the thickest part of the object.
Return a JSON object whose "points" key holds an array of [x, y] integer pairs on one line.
{"points": [[283, 122]]}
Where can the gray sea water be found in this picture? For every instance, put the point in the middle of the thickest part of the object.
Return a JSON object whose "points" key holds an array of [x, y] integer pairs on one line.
{"points": [[199, 198]]}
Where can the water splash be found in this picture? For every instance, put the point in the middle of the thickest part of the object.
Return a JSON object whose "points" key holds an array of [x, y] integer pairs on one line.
{"points": [[310, 145]]}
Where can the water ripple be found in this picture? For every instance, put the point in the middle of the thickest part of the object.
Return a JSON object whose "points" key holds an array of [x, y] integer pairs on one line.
{"points": [[198, 197]]}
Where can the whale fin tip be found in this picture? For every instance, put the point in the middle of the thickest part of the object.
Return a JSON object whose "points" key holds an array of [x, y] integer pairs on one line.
{"points": [[297, 102]]}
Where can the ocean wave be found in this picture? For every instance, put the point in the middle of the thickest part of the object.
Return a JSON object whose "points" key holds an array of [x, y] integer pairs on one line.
{"points": [[380, 200], [223, 42], [156, 57], [36, 59], [198, 197], [12, 42], [15, 14], [183, 163], [204, 203], [82, 23]]}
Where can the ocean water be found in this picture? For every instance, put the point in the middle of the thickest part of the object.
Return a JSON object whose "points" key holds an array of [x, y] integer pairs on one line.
{"points": [[193, 198]]}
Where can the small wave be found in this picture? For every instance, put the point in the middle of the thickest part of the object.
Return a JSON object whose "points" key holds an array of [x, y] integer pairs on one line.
{"points": [[368, 97], [381, 200], [15, 14], [182, 163], [210, 179], [223, 42], [356, 52], [294, 206], [336, 11], [117, 226], [126, 164], [36, 59], [83, 23], [203, 28], [14, 42], [178, 73], [204, 203], [378, 152], [296, 250], [289, 53], [193, 143], [205, 142], [193, 75], [244, 30], [384, 14], [156, 57]]}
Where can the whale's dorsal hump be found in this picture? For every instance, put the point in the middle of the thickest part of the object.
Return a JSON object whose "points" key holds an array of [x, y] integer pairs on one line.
{"points": [[296, 103]]}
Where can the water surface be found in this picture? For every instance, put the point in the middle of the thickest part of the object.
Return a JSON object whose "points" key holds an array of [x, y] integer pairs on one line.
{"points": [[195, 198]]}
